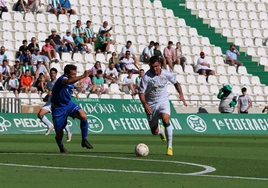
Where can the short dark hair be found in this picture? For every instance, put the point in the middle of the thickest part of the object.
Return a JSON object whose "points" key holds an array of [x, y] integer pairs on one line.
{"points": [[129, 42], [102, 32], [170, 42], [141, 70], [99, 71], [26, 49], [232, 45], [88, 21], [13, 73], [244, 89], [156, 43], [47, 40], [24, 41], [54, 69], [25, 60], [4, 61], [152, 42], [154, 59], [78, 21], [27, 71], [127, 52], [129, 71], [41, 74], [68, 68]]}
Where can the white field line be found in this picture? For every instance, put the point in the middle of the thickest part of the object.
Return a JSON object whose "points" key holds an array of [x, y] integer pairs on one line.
{"points": [[210, 169]]}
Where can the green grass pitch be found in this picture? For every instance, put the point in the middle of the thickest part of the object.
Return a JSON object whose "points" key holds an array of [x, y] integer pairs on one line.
{"points": [[236, 158]]}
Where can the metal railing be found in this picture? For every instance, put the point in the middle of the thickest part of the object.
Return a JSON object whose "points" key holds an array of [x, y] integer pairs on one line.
{"points": [[10, 105]]}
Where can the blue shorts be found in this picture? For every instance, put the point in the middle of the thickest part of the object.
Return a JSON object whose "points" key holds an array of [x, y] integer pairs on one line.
{"points": [[59, 115]]}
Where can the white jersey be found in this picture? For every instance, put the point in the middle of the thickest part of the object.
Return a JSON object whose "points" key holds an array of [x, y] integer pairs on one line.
{"points": [[155, 87]]}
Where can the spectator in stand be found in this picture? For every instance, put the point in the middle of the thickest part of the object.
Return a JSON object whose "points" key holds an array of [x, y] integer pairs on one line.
{"points": [[170, 55], [95, 68], [80, 43], [3, 7], [203, 66], [98, 84], [26, 83], [129, 48], [36, 56], [54, 7], [21, 6], [56, 42], [16, 69], [138, 79], [106, 29], [24, 67], [69, 41], [118, 64], [41, 83], [147, 53], [87, 84], [231, 56], [49, 51], [3, 55], [244, 102], [90, 35], [181, 60], [103, 43], [159, 54], [4, 72], [26, 55], [128, 84], [14, 84], [67, 7], [23, 47], [111, 74], [128, 61], [35, 6], [38, 69], [77, 29], [33, 45]]}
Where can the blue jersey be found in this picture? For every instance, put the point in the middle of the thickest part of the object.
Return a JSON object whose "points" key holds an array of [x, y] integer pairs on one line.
{"points": [[61, 93]]}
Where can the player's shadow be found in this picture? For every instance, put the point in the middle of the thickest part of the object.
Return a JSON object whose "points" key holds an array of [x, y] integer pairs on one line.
{"points": [[202, 110]]}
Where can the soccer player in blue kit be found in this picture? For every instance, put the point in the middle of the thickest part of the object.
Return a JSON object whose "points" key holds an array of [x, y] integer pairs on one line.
{"points": [[63, 106]]}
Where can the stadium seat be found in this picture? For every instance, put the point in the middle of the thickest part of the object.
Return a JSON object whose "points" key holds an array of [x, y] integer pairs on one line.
{"points": [[244, 80], [242, 70], [180, 79], [234, 80], [105, 96], [255, 80], [116, 96], [93, 96], [214, 89], [191, 79], [203, 89], [188, 69], [212, 79]]}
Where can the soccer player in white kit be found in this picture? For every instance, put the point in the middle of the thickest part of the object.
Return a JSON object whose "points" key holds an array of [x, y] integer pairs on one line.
{"points": [[47, 107], [154, 97]]}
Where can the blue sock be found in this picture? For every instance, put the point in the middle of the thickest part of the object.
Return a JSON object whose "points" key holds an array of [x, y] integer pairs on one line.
{"points": [[59, 142], [84, 129]]}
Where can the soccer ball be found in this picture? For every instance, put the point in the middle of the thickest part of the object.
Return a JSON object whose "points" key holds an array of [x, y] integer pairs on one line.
{"points": [[141, 150]]}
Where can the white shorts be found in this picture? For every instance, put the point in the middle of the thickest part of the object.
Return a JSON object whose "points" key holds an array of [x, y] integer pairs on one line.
{"points": [[47, 106], [102, 91], [160, 108]]}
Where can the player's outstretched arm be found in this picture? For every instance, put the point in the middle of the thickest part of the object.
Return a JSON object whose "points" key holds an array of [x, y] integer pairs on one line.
{"points": [[75, 79], [147, 109], [178, 88]]}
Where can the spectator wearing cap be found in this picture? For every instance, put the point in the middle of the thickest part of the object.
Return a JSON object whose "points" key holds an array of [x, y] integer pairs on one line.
{"points": [[49, 51], [54, 7], [4, 71], [3, 7], [33, 45], [159, 54], [37, 56], [22, 47], [103, 43], [90, 35], [56, 42], [35, 6], [107, 30], [26, 55], [244, 102], [3, 55], [231, 56], [77, 29], [170, 55], [67, 7], [26, 83], [129, 48], [203, 66], [69, 41], [80, 43], [16, 69], [24, 67], [13, 84], [147, 53]]}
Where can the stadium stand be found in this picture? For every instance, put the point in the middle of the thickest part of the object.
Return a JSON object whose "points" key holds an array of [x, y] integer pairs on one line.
{"points": [[142, 21]]}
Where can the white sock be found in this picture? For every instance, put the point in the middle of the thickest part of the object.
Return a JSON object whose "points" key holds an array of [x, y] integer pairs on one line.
{"points": [[169, 134], [45, 121], [67, 130], [160, 131]]}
